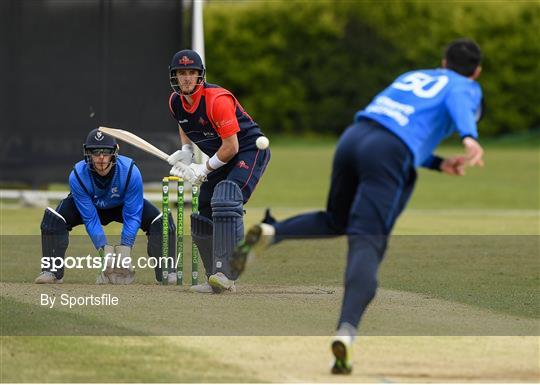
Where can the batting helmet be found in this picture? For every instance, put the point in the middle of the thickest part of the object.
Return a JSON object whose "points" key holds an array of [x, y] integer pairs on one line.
{"points": [[185, 59]]}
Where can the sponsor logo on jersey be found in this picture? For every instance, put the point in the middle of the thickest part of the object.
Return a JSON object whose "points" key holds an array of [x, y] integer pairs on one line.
{"points": [[225, 123]]}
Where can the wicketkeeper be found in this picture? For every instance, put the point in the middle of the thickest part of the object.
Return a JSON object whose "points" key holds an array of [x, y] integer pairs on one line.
{"points": [[212, 118], [105, 187]]}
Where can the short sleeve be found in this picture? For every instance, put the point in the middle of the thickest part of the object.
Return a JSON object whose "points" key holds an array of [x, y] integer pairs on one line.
{"points": [[224, 116]]}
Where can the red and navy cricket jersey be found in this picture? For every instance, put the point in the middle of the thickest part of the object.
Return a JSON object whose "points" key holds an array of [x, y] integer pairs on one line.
{"points": [[215, 114]]}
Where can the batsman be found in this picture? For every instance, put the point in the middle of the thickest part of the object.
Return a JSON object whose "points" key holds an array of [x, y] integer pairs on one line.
{"points": [[213, 119], [105, 187]]}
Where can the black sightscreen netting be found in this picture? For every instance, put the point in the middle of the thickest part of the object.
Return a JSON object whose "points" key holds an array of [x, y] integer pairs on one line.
{"points": [[68, 66]]}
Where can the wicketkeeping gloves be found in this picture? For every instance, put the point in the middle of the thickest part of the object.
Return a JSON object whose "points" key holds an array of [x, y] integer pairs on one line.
{"points": [[105, 252], [114, 272]]}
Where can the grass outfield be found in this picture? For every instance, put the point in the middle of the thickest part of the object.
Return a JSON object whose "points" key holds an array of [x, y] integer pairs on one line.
{"points": [[458, 298]]}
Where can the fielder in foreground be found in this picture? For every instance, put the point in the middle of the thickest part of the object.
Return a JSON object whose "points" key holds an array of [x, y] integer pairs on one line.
{"points": [[105, 187], [374, 172], [212, 118]]}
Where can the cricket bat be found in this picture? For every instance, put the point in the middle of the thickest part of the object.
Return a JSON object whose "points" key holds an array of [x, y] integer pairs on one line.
{"points": [[134, 140]]}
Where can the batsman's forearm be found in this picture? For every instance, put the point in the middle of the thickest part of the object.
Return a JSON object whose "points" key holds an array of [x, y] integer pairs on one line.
{"points": [[183, 137], [221, 157], [229, 148], [225, 154]]}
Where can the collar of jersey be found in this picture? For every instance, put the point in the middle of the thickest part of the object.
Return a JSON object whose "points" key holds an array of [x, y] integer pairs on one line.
{"points": [[196, 100], [103, 180]]}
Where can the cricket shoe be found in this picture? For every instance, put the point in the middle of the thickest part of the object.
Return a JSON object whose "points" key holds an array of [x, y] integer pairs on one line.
{"points": [[258, 238], [172, 279], [202, 288], [268, 218], [342, 350], [220, 283], [47, 277]]}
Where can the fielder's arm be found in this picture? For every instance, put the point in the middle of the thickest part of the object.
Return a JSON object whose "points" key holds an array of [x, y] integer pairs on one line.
{"points": [[88, 213], [133, 207]]}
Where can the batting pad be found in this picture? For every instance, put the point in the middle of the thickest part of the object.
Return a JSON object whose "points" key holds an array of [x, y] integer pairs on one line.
{"points": [[227, 213]]}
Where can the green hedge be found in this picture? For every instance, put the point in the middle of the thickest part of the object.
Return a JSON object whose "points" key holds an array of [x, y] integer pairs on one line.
{"points": [[302, 67]]}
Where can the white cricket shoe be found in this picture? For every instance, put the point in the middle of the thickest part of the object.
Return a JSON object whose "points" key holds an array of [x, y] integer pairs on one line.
{"points": [[220, 283], [47, 277], [202, 288], [258, 238], [171, 279], [342, 350]]}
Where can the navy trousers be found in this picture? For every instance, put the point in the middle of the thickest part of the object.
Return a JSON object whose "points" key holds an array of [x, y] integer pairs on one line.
{"points": [[373, 177], [245, 169], [69, 211]]}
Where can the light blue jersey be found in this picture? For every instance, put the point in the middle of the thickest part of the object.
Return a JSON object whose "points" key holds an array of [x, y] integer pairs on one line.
{"points": [[125, 189], [424, 107]]}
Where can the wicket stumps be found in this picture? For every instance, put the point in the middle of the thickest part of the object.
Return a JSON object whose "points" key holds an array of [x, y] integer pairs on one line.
{"points": [[179, 232]]}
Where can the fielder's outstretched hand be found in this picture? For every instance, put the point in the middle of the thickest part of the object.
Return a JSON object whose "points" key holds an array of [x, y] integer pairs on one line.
{"points": [[473, 152], [454, 165]]}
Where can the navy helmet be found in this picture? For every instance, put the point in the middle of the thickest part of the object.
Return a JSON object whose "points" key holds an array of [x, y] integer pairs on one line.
{"points": [[98, 143], [185, 59], [97, 139]]}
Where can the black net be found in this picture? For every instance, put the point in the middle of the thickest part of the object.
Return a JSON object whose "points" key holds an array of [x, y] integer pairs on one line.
{"points": [[70, 66]]}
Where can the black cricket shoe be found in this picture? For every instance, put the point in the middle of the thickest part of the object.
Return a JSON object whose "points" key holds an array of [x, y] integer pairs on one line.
{"points": [[268, 218], [341, 346]]}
